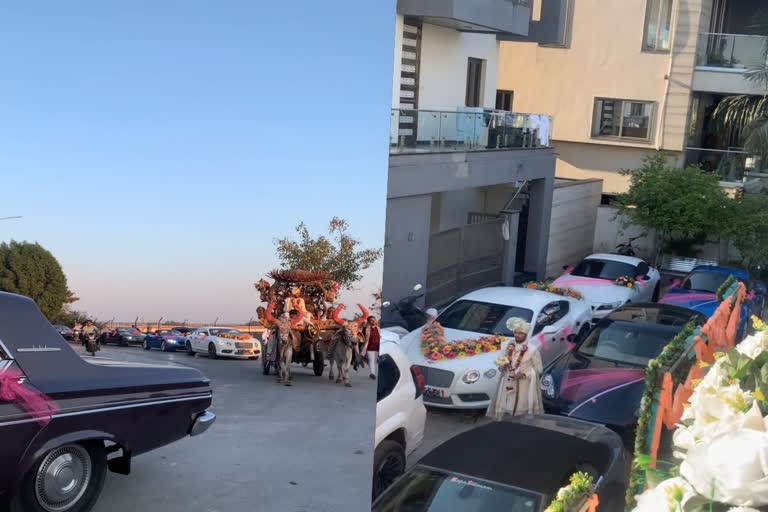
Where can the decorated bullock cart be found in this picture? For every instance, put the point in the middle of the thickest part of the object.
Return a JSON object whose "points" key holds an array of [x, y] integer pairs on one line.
{"points": [[314, 326]]}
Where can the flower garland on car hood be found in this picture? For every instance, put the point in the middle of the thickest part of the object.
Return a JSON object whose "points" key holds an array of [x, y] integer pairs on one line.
{"points": [[434, 346], [238, 337], [557, 290]]}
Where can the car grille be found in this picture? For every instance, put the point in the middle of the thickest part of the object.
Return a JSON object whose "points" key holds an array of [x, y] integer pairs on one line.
{"points": [[436, 378], [474, 397], [241, 344]]}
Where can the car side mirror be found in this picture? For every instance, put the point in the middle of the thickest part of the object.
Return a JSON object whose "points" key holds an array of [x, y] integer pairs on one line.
{"points": [[549, 329], [644, 277]]}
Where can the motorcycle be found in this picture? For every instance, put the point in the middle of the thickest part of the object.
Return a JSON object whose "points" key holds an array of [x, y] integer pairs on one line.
{"points": [[626, 248], [411, 316], [90, 341]]}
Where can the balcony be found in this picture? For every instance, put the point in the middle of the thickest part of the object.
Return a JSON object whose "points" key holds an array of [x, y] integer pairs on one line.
{"points": [[487, 16], [730, 165], [722, 60], [432, 131]]}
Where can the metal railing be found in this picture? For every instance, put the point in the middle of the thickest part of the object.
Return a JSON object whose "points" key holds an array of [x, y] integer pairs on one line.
{"points": [[732, 51], [466, 130], [729, 164]]}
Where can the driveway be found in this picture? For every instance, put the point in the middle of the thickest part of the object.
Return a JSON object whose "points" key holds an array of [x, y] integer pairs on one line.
{"points": [[305, 448]]}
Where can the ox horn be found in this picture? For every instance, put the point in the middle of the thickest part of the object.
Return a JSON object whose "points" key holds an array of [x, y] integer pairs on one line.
{"points": [[336, 313], [270, 316], [365, 316]]}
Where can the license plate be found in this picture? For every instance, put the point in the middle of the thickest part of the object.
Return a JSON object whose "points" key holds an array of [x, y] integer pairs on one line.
{"points": [[435, 392]]}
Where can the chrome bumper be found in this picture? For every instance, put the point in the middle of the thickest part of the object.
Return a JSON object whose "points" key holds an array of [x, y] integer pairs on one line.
{"points": [[202, 423]]}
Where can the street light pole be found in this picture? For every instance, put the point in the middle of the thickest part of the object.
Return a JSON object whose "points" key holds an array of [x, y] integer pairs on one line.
{"points": [[9, 218]]}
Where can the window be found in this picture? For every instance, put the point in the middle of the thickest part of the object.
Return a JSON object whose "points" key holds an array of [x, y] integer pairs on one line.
{"points": [[622, 119], [474, 82], [658, 21], [389, 375], [643, 269], [551, 314], [504, 100], [603, 269]]}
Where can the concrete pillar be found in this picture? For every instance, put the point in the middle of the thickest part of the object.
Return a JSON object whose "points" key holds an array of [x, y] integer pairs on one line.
{"points": [[539, 217], [510, 247], [406, 247]]}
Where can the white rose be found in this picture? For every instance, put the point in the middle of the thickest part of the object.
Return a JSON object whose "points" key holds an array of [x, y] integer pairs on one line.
{"points": [[663, 497], [731, 469], [752, 346]]}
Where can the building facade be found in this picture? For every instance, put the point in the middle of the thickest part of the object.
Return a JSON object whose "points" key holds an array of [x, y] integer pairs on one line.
{"points": [[470, 185], [626, 79]]}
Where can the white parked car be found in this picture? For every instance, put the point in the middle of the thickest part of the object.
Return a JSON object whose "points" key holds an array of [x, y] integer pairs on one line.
{"points": [[595, 278], [470, 382], [392, 334], [222, 342], [400, 415]]}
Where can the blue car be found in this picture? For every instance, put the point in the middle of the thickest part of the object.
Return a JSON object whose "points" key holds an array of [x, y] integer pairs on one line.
{"points": [[698, 291], [167, 341]]}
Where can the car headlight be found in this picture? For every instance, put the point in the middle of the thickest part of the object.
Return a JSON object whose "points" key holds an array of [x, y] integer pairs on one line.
{"points": [[548, 385], [471, 377], [489, 374], [609, 307]]}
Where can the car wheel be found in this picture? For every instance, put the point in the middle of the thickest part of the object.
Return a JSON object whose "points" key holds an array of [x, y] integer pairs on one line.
{"points": [[164, 347], [318, 365], [212, 351], [145, 344], [190, 352], [67, 479], [388, 465], [656, 293]]}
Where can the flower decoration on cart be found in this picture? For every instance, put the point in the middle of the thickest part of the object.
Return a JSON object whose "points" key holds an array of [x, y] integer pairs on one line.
{"points": [[579, 495], [435, 347], [557, 290]]}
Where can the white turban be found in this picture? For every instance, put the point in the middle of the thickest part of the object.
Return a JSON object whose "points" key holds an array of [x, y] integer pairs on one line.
{"points": [[432, 313], [518, 325]]}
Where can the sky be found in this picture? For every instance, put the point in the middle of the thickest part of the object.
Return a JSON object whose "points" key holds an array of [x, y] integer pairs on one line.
{"points": [[157, 149]]}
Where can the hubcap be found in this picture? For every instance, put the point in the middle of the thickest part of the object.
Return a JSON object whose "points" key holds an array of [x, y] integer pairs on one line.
{"points": [[63, 478]]}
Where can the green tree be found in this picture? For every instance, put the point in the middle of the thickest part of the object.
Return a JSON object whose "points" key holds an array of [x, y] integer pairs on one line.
{"points": [[749, 232], [686, 206], [29, 269], [338, 254]]}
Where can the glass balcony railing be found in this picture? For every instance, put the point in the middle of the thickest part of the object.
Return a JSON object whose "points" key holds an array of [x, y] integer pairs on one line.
{"points": [[414, 131], [729, 164], [733, 51]]}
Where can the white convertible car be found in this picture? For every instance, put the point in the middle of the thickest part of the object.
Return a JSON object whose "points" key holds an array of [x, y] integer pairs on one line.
{"points": [[601, 279], [222, 342], [469, 382]]}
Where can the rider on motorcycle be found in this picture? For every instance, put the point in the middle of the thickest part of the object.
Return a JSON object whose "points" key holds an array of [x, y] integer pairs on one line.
{"points": [[88, 331]]}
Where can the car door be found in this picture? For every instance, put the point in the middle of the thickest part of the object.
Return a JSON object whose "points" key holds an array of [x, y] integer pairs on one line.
{"points": [[647, 287], [201, 340], [552, 328], [390, 396]]}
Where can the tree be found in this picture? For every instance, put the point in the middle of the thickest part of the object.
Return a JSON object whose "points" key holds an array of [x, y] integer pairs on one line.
{"points": [[686, 206], [750, 233], [339, 255], [29, 269]]}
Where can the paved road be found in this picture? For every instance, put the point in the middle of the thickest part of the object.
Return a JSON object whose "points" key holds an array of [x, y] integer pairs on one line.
{"points": [[443, 424], [306, 448]]}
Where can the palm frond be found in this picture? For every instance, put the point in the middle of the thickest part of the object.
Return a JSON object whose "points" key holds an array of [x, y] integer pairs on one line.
{"points": [[734, 113], [756, 137], [759, 75]]}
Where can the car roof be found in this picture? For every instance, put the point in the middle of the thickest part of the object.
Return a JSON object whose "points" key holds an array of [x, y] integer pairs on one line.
{"points": [[537, 453], [513, 296], [656, 314], [739, 273], [631, 260]]}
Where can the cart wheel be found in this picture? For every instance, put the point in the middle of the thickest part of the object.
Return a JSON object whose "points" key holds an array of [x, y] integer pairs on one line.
{"points": [[318, 365]]}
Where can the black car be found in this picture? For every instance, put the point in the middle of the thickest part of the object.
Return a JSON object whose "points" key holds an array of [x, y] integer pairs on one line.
{"points": [[126, 336], [512, 465], [65, 332], [602, 378]]}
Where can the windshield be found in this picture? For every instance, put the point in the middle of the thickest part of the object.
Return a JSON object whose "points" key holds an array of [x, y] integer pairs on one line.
{"points": [[604, 269], [428, 490], [482, 317], [708, 282], [625, 342]]}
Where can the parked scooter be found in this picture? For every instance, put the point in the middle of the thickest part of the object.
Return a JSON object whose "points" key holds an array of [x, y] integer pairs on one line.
{"points": [[411, 316]]}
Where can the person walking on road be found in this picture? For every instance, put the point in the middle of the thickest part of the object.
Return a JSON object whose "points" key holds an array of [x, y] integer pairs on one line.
{"points": [[372, 337]]}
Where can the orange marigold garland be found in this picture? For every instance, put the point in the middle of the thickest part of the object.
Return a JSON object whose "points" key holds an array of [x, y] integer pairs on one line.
{"points": [[434, 346], [231, 336], [557, 290]]}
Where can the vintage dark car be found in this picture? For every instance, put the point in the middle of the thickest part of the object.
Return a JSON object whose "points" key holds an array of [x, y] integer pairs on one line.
{"points": [[65, 332], [513, 465], [602, 378], [65, 419]]}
